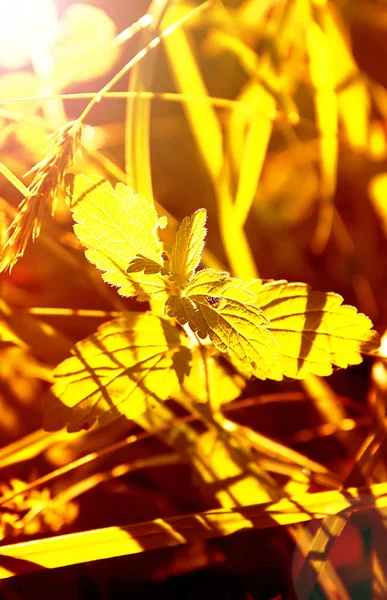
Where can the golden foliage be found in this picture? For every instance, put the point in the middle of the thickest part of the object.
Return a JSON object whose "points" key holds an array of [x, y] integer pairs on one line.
{"points": [[270, 114]]}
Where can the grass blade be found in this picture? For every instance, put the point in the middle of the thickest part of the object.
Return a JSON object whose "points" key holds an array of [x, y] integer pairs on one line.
{"points": [[99, 544], [326, 105], [209, 139]]}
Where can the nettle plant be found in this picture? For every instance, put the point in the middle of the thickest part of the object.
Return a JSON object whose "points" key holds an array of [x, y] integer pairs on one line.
{"points": [[198, 318]]}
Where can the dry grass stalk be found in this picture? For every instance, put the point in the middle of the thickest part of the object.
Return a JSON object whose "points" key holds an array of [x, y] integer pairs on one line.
{"points": [[42, 192]]}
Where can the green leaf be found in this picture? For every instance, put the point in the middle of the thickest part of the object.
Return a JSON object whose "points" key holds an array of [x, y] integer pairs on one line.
{"points": [[314, 330], [117, 225], [219, 306], [187, 249], [131, 360]]}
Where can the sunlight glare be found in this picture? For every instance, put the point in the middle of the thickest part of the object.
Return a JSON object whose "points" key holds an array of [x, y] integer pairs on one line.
{"points": [[26, 28]]}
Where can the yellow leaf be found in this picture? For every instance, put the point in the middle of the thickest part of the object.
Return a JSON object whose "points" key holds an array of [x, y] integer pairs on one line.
{"points": [[116, 226], [209, 381], [219, 306], [142, 263], [314, 330], [188, 247], [133, 359]]}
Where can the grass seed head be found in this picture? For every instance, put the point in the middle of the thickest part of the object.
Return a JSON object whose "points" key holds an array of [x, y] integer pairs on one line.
{"points": [[42, 193]]}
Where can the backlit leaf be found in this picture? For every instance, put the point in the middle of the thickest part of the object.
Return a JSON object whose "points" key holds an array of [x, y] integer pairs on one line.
{"points": [[314, 330], [142, 263], [219, 306], [116, 226], [133, 359], [210, 381], [188, 247]]}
